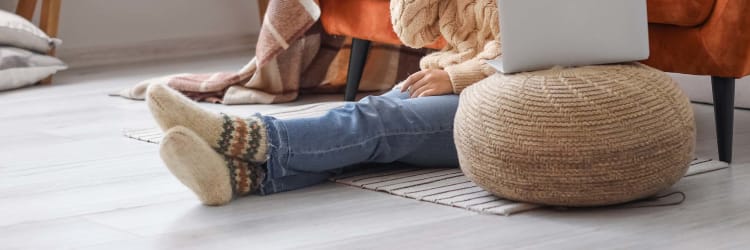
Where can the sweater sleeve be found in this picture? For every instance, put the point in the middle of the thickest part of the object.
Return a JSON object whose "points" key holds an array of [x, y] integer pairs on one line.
{"points": [[416, 22], [475, 69]]}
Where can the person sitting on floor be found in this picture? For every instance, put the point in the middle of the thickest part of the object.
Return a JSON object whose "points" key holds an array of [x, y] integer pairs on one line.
{"points": [[220, 157]]}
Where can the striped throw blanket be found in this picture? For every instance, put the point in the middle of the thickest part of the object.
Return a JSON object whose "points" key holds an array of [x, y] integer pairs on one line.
{"points": [[293, 53]]}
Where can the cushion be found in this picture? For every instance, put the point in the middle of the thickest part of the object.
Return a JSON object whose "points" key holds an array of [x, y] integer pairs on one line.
{"points": [[685, 13], [363, 19], [587, 136], [19, 67], [18, 32]]}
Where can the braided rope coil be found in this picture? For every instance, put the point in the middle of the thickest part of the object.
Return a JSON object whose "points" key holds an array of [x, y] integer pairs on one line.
{"points": [[585, 136]]}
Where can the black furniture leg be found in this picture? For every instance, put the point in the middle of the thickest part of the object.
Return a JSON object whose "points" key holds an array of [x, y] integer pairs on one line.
{"points": [[723, 90], [357, 60]]}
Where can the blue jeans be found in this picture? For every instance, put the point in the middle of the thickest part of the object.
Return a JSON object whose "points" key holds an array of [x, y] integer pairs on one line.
{"points": [[378, 129]]}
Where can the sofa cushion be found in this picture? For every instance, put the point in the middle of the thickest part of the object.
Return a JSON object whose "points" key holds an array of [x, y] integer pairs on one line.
{"points": [[363, 19], [686, 13]]}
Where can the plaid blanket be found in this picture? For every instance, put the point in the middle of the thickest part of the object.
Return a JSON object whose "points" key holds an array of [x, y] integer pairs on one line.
{"points": [[293, 53]]}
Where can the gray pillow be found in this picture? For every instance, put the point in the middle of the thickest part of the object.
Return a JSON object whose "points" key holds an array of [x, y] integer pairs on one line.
{"points": [[19, 67], [16, 31]]}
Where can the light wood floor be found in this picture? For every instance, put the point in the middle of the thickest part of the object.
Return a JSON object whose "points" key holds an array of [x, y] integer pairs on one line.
{"points": [[68, 179]]}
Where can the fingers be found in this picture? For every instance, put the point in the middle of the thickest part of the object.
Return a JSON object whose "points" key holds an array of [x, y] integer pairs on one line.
{"points": [[413, 78], [420, 86], [428, 92]]}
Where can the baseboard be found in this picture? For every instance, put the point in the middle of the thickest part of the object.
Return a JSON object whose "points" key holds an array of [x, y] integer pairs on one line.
{"points": [[156, 50]]}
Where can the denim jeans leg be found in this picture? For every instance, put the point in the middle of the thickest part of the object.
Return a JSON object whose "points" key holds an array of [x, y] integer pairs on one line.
{"points": [[378, 129]]}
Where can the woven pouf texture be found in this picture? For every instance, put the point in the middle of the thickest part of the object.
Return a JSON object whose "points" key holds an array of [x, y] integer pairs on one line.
{"points": [[585, 136]]}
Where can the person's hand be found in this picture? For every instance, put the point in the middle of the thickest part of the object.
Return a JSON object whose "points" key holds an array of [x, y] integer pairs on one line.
{"points": [[428, 82]]}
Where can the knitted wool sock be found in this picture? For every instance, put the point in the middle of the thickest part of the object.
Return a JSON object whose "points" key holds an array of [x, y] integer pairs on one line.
{"points": [[213, 177], [229, 135]]}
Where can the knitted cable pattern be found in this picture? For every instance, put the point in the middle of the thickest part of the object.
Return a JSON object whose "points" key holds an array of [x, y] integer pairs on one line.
{"points": [[416, 21], [470, 27]]}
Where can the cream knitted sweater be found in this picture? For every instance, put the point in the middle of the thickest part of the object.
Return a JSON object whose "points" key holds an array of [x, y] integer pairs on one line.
{"points": [[471, 28]]}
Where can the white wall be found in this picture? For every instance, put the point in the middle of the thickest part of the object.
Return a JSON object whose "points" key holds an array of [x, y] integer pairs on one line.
{"points": [[106, 23], [699, 89], [98, 25]]}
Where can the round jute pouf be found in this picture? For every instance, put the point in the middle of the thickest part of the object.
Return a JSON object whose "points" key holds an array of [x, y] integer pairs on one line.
{"points": [[585, 136]]}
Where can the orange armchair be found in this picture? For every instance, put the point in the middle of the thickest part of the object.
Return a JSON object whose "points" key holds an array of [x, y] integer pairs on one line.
{"points": [[700, 37], [704, 37]]}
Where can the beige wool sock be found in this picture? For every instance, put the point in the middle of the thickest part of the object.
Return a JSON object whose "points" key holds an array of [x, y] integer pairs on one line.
{"points": [[243, 138], [213, 177]]}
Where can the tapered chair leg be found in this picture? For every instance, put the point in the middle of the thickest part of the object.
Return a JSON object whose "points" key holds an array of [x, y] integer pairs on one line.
{"points": [[723, 92], [25, 8], [357, 60]]}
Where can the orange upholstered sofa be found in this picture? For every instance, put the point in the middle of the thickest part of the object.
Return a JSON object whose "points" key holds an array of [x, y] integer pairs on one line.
{"points": [[699, 37]]}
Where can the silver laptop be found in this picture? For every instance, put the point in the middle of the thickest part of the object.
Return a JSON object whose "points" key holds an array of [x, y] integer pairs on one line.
{"points": [[539, 34]]}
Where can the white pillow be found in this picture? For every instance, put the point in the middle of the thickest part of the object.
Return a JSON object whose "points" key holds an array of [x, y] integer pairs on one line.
{"points": [[19, 67], [18, 32]]}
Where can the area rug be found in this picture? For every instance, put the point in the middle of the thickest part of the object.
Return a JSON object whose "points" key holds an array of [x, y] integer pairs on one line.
{"points": [[449, 186], [445, 186]]}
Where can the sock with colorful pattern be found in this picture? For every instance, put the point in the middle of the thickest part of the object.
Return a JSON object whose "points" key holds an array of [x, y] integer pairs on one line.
{"points": [[242, 138], [213, 177]]}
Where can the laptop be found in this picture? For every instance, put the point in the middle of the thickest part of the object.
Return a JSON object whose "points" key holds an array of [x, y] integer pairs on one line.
{"points": [[540, 34]]}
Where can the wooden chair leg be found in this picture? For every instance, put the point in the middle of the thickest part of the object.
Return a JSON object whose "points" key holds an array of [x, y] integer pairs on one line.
{"points": [[723, 93], [50, 18], [357, 60], [49, 22], [25, 8]]}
